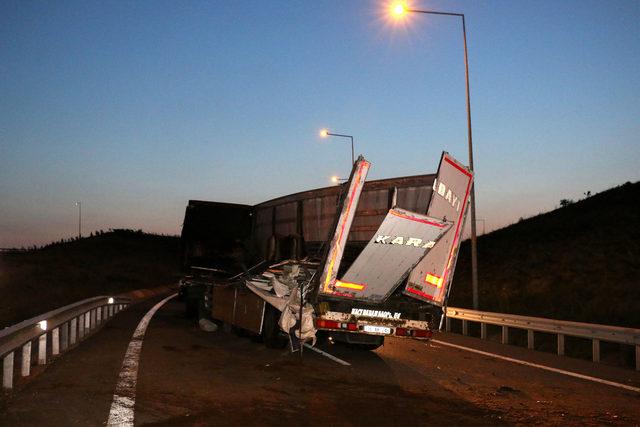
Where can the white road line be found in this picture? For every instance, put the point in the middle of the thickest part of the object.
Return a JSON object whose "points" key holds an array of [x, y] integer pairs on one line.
{"points": [[124, 398], [546, 368], [330, 356]]}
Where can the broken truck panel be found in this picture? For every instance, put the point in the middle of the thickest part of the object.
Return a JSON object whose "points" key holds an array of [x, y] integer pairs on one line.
{"points": [[369, 301], [431, 278], [400, 242], [343, 225], [238, 306]]}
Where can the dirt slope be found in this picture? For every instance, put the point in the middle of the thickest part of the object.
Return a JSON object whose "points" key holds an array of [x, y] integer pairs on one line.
{"points": [[36, 281], [579, 262]]}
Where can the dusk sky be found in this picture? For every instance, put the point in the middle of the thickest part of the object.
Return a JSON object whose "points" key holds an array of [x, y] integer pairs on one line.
{"points": [[134, 108]]}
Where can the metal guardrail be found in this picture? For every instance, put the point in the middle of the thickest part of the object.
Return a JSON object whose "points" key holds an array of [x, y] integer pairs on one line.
{"points": [[62, 329], [561, 328]]}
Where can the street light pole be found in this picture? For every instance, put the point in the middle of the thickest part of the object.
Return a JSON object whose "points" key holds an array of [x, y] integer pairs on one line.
{"points": [[79, 205], [324, 133], [399, 9]]}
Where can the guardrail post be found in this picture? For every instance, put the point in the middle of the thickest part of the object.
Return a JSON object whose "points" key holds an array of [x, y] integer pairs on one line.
{"points": [[64, 336], [505, 335], [447, 323], [560, 344], [42, 349], [98, 315], [483, 331], [55, 342], [595, 349], [530, 339], [26, 360], [92, 323], [87, 322], [111, 310], [73, 325], [80, 327], [465, 327], [7, 371]]}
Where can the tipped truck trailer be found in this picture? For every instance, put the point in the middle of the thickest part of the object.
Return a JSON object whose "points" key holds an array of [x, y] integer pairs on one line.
{"points": [[396, 286], [401, 280]]}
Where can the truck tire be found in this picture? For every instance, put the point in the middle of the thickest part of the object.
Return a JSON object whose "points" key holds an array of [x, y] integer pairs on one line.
{"points": [[271, 334]]}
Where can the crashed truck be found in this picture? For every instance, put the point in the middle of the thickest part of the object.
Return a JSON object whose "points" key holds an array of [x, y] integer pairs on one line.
{"points": [[396, 283]]}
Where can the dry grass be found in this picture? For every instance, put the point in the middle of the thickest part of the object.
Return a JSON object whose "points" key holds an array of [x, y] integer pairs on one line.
{"points": [[580, 262], [36, 281]]}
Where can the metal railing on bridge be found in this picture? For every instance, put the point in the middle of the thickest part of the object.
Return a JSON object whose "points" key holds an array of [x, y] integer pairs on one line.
{"points": [[561, 328]]}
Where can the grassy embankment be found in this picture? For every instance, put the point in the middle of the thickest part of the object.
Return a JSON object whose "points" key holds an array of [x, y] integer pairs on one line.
{"points": [[36, 281], [580, 262]]}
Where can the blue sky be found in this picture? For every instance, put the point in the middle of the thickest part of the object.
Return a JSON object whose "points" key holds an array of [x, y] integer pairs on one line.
{"points": [[136, 107]]}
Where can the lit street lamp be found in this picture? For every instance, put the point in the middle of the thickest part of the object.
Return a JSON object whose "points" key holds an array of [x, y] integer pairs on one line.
{"points": [[325, 133], [399, 10], [79, 205], [337, 180]]}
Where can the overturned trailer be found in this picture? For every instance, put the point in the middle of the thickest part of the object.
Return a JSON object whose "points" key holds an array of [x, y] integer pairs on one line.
{"points": [[299, 224], [383, 267]]}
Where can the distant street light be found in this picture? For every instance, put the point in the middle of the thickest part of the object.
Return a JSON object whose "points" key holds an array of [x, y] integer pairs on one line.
{"points": [[399, 10], [337, 180], [482, 220], [325, 133], [79, 205]]}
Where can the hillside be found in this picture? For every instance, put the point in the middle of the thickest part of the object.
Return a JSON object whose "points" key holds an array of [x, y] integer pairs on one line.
{"points": [[36, 281], [579, 262]]}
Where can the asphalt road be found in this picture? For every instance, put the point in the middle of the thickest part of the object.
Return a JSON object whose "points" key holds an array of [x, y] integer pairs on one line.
{"points": [[190, 377]]}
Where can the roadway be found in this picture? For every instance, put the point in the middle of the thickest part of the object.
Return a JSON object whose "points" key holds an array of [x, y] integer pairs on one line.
{"points": [[190, 377]]}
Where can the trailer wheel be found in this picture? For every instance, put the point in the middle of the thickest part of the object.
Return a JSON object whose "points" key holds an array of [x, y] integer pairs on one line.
{"points": [[271, 335]]}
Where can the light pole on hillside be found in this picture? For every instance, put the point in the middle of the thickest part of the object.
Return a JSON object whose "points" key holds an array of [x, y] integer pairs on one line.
{"points": [[400, 10], [79, 205]]}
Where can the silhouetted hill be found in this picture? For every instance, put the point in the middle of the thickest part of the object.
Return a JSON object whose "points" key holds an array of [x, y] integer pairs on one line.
{"points": [[579, 262], [36, 281]]}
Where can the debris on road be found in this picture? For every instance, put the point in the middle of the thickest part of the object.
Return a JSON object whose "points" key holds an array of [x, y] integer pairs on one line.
{"points": [[207, 325]]}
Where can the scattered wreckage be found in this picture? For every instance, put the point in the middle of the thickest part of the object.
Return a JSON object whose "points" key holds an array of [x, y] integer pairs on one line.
{"points": [[396, 286]]}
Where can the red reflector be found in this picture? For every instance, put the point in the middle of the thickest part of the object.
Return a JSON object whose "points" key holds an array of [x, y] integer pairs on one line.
{"points": [[352, 326], [327, 324], [401, 332], [421, 333]]}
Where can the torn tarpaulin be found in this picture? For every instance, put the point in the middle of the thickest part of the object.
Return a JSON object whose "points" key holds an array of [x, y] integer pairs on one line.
{"points": [[282, 290]]}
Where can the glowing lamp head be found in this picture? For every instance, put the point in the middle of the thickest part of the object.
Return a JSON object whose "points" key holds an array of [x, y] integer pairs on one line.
{"points": [[110, 300], [42, 325], [398, 9], [335, 179], [324, 133]]}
